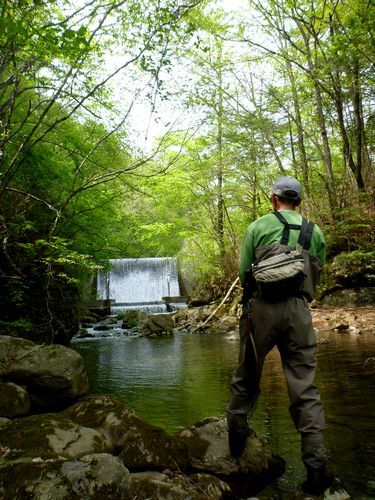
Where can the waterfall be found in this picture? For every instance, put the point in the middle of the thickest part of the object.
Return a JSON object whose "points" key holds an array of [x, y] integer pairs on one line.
{"points": [[140, 284]]}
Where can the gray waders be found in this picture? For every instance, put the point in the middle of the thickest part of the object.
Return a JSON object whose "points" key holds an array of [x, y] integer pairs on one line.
{"points": [[286, 324]]}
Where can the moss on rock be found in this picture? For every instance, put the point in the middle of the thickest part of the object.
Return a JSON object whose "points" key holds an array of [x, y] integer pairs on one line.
{"points": [[49, 435]]}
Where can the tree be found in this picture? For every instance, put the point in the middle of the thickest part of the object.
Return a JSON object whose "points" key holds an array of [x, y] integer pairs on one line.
{"points": [[56, 145]]}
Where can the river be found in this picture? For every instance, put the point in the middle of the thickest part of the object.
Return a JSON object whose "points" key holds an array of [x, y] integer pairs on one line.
{"points": [[176, 381]]}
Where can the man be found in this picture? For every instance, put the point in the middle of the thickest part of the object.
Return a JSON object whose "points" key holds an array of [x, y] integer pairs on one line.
{"points": [[283, 321]]}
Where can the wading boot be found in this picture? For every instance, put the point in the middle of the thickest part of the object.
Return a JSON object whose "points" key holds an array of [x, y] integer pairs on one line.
{"points": [[238, 430], [318, 480]]}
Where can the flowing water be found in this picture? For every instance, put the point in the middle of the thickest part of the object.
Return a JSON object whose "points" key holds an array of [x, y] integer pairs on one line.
{"points": [[139, 283], [175, 381]]}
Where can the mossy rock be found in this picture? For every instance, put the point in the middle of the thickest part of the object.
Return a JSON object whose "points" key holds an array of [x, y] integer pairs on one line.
{"points": [[353, 268], [129, 319], [348, 270], [14, 400], [94, 476], [49, 435], [139, 444]]}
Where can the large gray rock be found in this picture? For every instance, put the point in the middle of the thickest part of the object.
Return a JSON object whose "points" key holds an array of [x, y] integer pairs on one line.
{"points": [[14, 400], [12, 350], [54, 375], [47, 436], [95, 476], [207, 443], [140, 444], [155, 324]]}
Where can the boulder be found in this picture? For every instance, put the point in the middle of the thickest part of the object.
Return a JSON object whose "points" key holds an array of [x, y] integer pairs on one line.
{"points": [[13, 349], [94, 476], [156, 485], [350, 297], [103, 328], [106, 414], [353, 269], [14, 400], [207, 443], [192, 316], [155, 324], [130, 319], [47, 436], [54, 375], [141, 445]]}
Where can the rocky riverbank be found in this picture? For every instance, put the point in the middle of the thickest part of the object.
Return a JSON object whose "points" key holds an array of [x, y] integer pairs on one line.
{"points": [[224, 319], [58, 443]]}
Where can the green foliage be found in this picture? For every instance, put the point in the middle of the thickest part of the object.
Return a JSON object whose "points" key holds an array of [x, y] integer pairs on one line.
{"points": [[353, 229], [74, 190]]}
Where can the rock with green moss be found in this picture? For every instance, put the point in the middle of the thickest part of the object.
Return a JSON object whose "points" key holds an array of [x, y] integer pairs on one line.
{"points": [[14, 400], [349, 280], [130, 319], [156, 324], [94, 476], [207, 443], [54, 375], [106, 414], [176, 486], [351, 269], [49, 435], [141, 445], [350, 297]]}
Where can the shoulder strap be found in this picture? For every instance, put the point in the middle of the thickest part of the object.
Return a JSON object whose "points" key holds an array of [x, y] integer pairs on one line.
{"points": [[287, 227], [305, 235]]}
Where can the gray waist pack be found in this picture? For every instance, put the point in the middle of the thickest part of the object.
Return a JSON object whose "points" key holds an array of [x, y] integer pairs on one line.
{"points": [[280, 276]]}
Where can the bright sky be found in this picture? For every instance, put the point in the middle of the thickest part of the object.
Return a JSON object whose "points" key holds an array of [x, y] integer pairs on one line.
{"points": [[149, 125]]}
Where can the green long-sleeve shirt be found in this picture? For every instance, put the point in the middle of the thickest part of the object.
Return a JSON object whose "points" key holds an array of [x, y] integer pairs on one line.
{"points": [[267, 230]]}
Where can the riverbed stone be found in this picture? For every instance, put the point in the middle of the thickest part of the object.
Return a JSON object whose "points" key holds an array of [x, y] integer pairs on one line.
{"points": [[155, 324], [130, 319], [47, 436], [207, 443], [14, 400], [54, 375], [140, 445], [106, 414], [103, 328], [191, 317], [12, 349], [94, 476]]}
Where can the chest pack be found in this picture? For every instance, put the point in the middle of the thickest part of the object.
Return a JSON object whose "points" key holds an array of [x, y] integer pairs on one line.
{"points": [[283, 274]]}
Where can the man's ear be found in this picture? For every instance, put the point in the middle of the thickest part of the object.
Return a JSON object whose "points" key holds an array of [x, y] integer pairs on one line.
{"points": [[274, 201], [298, 202]]}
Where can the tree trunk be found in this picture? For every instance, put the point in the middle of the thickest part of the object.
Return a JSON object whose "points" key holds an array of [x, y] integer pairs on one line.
{"points": [[360, 129], [300, 133], [322, 122], [220, 198]]}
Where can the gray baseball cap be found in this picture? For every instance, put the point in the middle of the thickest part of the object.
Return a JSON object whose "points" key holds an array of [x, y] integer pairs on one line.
{"points": [[288, 188]]}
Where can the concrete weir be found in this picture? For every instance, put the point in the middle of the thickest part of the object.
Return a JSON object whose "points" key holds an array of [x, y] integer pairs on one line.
{"points": [[147, 284]]}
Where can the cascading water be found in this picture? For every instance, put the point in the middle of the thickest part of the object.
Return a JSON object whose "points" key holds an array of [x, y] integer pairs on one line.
{"points": [[140, 284]]}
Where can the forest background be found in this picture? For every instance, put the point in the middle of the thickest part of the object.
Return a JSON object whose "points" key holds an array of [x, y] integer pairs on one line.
{"points": [[228, 98]]}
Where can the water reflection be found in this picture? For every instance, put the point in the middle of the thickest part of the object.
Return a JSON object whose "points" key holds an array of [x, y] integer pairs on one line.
{"points": [[176, 381]]}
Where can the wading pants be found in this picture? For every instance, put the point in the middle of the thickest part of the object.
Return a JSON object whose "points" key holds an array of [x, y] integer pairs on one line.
{"points": [[287, 325]]}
